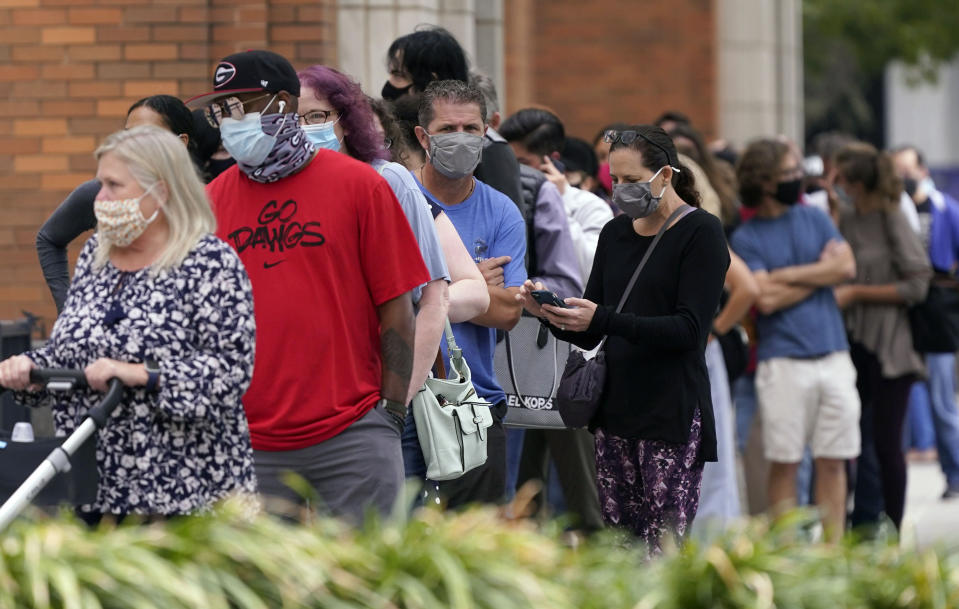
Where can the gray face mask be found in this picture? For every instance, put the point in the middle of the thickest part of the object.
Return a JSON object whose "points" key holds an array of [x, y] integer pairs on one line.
{"points": [[636, 199], [455, 155]]}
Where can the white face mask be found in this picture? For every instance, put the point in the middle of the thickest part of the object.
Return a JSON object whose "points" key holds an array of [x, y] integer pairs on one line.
{"points": [[121, 222]]}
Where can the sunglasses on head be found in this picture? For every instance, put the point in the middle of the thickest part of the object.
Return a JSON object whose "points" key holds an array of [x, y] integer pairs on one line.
{"points": [[627, 137]]}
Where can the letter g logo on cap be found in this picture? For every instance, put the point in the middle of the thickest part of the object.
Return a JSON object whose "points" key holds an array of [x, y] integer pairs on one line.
{"points": [[224, 74]]}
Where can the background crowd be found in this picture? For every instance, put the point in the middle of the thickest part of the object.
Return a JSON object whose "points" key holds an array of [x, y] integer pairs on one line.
{"points": [[773, 323]]}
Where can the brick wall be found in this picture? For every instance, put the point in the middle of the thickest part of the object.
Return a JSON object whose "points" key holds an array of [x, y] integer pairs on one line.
{"points": [[69, 69], [613, 60]]}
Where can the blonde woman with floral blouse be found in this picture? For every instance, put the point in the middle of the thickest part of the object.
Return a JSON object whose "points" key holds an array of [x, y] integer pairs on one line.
{"points": [[161, 304]]}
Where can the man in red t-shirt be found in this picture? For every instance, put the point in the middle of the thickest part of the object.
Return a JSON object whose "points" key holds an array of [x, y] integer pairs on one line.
{"points": [[332, 260]]}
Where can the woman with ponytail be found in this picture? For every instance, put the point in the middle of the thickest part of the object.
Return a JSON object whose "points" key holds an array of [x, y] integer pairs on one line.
{"points": [[892, 272], [654, 427]]}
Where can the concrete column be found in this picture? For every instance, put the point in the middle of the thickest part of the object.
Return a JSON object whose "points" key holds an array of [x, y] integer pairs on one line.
{"points": [[760, 69], [490, 44], [365, 29]]}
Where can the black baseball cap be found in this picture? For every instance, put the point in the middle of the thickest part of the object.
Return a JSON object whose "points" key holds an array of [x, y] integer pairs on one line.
{"points": [[250, 71]]}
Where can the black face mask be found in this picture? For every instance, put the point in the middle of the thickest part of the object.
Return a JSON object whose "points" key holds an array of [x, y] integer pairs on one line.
{"points": [[218, 166], [787, 193], [391, 93], [910, 185]]}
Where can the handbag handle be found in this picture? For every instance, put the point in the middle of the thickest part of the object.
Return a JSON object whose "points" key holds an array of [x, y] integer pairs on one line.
{"points": [[682, 210], [451, 346], [455, 353]]}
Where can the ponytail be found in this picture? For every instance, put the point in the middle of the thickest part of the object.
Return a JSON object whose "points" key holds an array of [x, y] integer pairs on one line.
{"points": [[685, 186], [888, 183], [861, 163]]}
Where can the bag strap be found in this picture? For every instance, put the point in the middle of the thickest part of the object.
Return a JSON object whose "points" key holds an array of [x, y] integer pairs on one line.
{"points": [[681, 211], [451, 346], [455, 354]]}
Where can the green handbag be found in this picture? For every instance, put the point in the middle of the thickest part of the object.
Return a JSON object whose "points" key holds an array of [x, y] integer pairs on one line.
{"points": [[451, 420]]}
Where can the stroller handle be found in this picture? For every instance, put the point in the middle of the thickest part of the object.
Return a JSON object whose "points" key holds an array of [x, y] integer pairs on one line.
{"points": [[102, 411], [56, 379], [59, 379], [65, 379], [58, 461]]}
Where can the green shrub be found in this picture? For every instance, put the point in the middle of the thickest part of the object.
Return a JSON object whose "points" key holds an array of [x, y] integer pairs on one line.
{"points": [[471, 560]]}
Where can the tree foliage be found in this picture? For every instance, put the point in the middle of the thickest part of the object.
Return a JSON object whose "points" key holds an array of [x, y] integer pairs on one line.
{"points": [[847, 46]]}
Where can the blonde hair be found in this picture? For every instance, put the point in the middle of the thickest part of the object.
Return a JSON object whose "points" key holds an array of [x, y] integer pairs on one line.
{"points": [[156, 156]]}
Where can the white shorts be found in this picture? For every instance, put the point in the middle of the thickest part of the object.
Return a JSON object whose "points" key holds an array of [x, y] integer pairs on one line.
{"points": [[809, 401]]}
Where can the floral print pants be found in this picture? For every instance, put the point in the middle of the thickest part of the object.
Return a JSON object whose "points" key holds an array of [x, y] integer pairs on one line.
{"points": [[649, 487]]}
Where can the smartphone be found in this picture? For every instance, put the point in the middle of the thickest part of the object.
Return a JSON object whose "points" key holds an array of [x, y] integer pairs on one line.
{"points": [[547, 297], [559, 165]]}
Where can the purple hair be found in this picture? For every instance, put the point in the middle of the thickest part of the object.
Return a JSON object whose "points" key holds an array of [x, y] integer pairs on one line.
{"points": [[363, 142]]}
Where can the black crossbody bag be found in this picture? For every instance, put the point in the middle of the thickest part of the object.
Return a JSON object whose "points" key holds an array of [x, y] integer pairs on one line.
{"points": [[581, 388]]}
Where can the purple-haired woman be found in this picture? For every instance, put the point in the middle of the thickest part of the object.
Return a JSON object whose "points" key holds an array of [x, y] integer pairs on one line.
{"points": [[336, 114]]}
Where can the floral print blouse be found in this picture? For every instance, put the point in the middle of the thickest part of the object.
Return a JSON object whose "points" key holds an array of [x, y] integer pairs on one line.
{"points": [[186, 445]]}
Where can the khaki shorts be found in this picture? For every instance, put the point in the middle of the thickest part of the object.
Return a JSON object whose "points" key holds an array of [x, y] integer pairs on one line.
{"points": [[809, 402]]}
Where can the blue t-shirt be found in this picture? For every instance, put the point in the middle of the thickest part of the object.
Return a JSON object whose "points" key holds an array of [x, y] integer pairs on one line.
{"points": [[812, 327], [490, 225]]}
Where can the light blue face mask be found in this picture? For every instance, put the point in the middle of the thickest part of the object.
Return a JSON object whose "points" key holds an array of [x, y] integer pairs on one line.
{"points": [[323, 135], [245, 139]]}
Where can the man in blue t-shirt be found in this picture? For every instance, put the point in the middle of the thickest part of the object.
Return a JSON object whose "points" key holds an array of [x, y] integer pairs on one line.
{"points": [[805, 380], [451, 128]]}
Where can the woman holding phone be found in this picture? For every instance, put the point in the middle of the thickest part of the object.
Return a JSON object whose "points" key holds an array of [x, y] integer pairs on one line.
{"points": [[654, 427]]}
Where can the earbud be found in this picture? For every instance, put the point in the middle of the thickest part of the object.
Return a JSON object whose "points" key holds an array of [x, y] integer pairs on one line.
{"points": [[282, 106]]}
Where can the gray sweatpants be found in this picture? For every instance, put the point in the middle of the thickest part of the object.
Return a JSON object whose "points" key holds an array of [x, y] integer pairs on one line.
{"points": [[358, 470]]}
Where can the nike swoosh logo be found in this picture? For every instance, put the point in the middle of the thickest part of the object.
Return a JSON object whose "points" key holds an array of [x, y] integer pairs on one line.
{"points": [[268, 265]]}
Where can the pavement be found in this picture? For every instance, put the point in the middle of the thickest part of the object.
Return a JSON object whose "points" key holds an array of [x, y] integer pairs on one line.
{"points": [[929, 520]]}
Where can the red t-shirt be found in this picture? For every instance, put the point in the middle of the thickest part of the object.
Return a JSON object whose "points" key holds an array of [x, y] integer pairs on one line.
{"points": [[323, 248]]}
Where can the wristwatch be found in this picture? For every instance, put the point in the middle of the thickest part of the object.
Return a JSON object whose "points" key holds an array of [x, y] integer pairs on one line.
{"points": [[397, 409], [153, 373]]}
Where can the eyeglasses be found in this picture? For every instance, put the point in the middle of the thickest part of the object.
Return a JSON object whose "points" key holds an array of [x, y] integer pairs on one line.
{"points": [[221, 108], [317, 117], [792, 172], [611, 136]]}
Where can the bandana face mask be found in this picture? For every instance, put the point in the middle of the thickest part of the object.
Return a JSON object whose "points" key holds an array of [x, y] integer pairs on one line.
{"points": [[120, 222], [636, 199]]}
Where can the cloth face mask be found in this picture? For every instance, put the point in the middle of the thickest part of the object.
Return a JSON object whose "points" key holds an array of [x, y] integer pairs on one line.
{"points": [[455, 155], [788, 193], [121, 222], [636, 199], [392, 93], [269, 149]]}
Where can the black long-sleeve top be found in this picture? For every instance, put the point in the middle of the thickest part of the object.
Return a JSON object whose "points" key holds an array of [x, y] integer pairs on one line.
{"points": [[656, 369], [70, 220], [499, 168]]}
